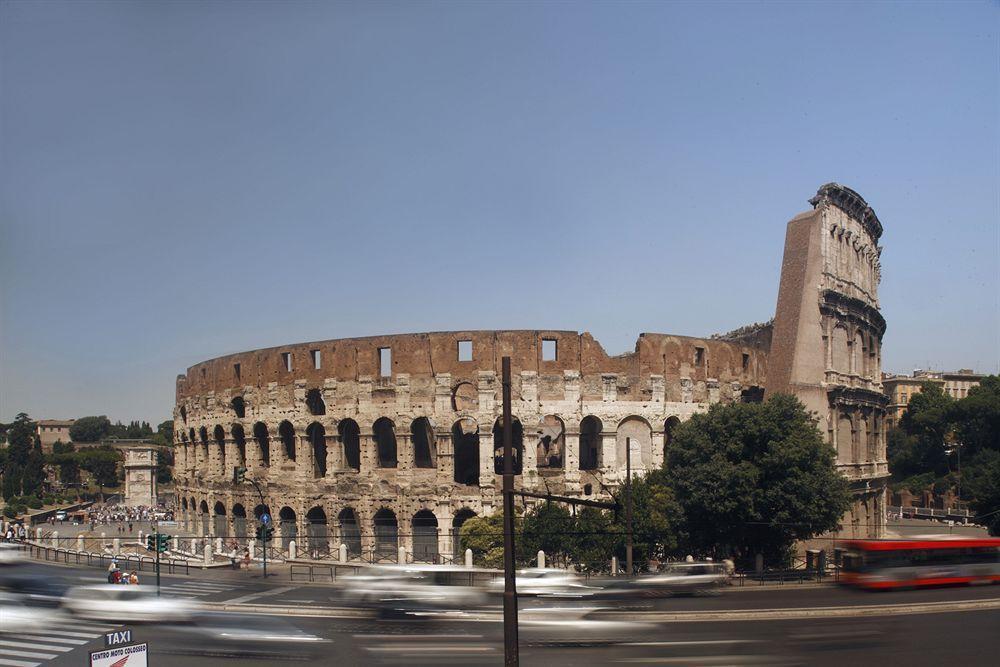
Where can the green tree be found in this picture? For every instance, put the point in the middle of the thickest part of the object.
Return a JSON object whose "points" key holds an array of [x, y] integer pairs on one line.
{"points": [[102, 463], [976, 418], [982, 480], [164, 466], [90, 429], [33, 477], [597, 537], [548, 527], [755, 478], [657, 519], [164, 433], [484, 535]]}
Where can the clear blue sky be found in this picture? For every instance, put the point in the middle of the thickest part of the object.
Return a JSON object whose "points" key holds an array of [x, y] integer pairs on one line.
{"points": [[182, 180]]}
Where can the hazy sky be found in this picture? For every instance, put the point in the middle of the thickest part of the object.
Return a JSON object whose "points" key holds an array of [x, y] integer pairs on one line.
{"points": [[185, 180]]}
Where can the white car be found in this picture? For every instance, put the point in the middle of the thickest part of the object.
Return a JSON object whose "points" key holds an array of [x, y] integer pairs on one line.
{"points": [[548, 582], [15, 616], [10, 554], [61, 515], [120, 602]]}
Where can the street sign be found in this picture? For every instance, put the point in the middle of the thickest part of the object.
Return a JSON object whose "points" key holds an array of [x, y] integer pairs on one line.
{"points": [[265, 518], [123, 636], [123, 656]]}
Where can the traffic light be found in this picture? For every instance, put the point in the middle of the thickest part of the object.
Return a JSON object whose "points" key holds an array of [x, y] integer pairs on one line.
{"points": [[162, 542], [265, 533], [239, 475], [150, 542]]}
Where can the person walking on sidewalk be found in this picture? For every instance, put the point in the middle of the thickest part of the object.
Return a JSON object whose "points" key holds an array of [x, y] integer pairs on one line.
{"points": [[246, 558], [232, 556]]}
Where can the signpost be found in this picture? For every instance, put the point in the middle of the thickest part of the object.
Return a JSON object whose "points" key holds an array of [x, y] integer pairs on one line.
{"points": [[265, 531], [119, 651], [159, 542]]}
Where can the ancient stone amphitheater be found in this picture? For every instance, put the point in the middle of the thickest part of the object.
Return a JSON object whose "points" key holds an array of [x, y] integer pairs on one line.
{"points": [[391, 441]]}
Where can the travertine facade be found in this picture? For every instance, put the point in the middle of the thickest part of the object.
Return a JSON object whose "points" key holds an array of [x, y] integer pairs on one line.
{"points": [[389, 441], [140, 476]]}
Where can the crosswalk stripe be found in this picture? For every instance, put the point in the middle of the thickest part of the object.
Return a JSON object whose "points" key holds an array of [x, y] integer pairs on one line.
{"points": [[44, 647], [18, 663], [64, 633], [27, 654], [46, 638]]}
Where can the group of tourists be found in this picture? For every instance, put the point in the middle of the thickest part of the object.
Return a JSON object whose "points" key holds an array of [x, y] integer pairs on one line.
{"points": [[124, 517], [116, 576], [12, 531]]}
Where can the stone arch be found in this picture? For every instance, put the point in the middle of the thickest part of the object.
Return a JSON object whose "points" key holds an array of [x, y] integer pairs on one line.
{"points": [[425, 537], [261, 510], [639, 433], [350, 441], [590, 443], [240, 440], [350, 531], [315, 403], [317, 440], [864, 447], [184, 414], [384, 434], [465, 448], [263, 440], [517, 443], [287, 526], [220, 442], [464, 398], [205, 519], [239, 406], [287, 434], [239, 521], [424, 447], [840, 350], [845, 439], [669, 426], [461, 517], [220, 522], [184, 504], [386, 534], [317, 532], [551, 448], [203, 436]]}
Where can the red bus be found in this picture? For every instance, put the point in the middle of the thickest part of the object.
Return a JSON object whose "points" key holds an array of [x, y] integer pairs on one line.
{"points": [[886, 564]]}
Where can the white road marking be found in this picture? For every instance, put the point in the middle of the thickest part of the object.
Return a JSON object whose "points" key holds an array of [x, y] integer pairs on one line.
{"points": [[254, 596], [47, 638], [44, 647], [18, 663], [27, 654]]}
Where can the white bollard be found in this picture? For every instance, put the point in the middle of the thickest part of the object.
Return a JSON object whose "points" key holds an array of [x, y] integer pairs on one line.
{"points": [[79, 542], [177, 543], [208, 553], [292, 550], [253, 547], [541, 559], [117, 545], [468, 558], [343, 553], [38, 534], [614, 566], [141, 542], [401, 555], [55, 538], [218, 545]]}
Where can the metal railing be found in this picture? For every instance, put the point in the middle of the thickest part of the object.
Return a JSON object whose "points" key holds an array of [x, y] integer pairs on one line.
{"points": [[138, 562]]}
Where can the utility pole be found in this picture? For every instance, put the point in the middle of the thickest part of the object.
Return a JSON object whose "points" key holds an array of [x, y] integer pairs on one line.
{"points": [[510, 644], [156, 545], [628, 506], [239, 476]]}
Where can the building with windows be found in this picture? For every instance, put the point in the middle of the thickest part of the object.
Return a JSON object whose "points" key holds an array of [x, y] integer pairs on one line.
{"points": [[51, 431], [901, 388], [393, 441]]}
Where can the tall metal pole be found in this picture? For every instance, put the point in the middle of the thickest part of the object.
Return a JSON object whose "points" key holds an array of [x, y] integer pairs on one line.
{"points": [[628, 507], [156, 545], [510, 647]]}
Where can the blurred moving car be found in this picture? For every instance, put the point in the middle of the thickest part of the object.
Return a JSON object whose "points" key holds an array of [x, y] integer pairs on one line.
{"points": [[245, 635], [411, 589], [36, 590], [15, 616], [698, 578], [115, 602], [547, 582], [10, 554]]}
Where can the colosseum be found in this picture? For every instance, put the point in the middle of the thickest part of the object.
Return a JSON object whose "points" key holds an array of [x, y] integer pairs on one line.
{"points": [[390, 442]]}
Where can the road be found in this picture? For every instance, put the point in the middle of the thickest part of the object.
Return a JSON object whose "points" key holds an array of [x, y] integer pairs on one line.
{"points": [[966, 637]]}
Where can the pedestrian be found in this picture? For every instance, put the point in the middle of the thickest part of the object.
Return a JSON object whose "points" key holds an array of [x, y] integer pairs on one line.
{"points": [[246, 558], [113, 572], [129, 527], [133, 578], [232, 557]]}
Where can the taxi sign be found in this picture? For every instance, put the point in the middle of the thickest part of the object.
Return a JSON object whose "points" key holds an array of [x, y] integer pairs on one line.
{"points": [[117, 637], [122, 656]]}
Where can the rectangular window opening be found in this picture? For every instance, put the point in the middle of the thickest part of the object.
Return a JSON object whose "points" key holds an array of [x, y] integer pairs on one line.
{"points": [[385, 362], [550, 349], [699, 356], [465, 350], [286, 360], [316, 358], [746, 362], [236, 371]]}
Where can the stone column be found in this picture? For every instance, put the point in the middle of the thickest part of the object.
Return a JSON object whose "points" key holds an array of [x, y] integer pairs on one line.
{"points": [[487, 477], [571, 458], [444, 457], [609, 454], [404, 451]]}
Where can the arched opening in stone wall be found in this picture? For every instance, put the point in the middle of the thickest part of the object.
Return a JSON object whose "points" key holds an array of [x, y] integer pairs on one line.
{"points": [[350, 440], [287, 434], [384, 433], [386, 534], [425, 537], [240, 440], [461, 517], [184, 414], [239, 407], [220, 441], [315, 403], [317, 532], [861, 342], [288, 529], [841, 355], [517, 445], [590, 443], [465, 445], [863, 447], [845, 440], [464, 398], [350, 532], [239, 521], [551, 442], [261, 510], [221, 527], [422, 436], [263, 441], [203, 512], [668, 434], [637, 432], [317, 440], [203, 436]]}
